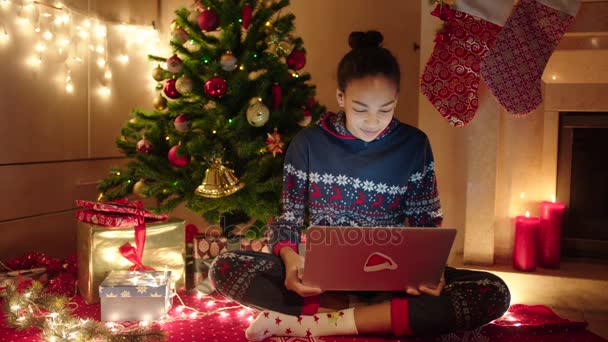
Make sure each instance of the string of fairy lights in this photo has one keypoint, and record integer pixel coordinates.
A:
(33, 307)
(56, 35)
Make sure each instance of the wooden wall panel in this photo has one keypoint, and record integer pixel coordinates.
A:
(136, 12)
(35, 189)
(325, 26)
(131, 87)
(54, 146)
(53, 234)
(39, 120)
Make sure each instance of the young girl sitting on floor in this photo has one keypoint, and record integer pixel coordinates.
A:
(358, 167)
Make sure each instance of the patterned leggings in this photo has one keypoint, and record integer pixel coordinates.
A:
(469, 299)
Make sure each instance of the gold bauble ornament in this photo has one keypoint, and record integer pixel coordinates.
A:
(257, 113)
(183, 85)
(158, 74)
(160, 103)
(219, 181)
(228, 61)
(284, 47)
(139, 188)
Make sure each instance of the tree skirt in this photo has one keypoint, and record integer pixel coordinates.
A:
(222, 320)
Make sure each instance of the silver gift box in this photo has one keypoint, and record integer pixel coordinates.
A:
(135, 295)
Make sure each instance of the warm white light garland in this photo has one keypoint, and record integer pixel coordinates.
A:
(57, 34)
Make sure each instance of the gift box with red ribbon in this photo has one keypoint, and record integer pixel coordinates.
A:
(124, 236)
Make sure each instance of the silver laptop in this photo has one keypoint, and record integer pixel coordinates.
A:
(375, 258)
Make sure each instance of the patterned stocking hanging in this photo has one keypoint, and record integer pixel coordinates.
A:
(514, 66)
(451, 77)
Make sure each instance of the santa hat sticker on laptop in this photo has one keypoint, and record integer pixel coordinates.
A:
(378, 262)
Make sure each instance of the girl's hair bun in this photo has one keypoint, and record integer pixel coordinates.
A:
(369, 39)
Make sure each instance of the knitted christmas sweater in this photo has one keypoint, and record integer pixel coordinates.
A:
(336, 179)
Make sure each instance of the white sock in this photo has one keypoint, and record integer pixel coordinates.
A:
(270, 323)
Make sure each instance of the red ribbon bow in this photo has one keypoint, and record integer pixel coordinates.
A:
(135, 254)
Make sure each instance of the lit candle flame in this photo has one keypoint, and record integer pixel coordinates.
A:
(527, 213)
(553, 198)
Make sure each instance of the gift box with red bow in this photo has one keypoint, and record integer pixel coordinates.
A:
(124, 236)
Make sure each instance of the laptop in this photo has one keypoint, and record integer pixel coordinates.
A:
(375, 258)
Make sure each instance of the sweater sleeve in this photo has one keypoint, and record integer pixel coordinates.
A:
(423, 208)
(286, 228)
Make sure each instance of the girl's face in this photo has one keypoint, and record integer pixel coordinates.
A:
(369, 104)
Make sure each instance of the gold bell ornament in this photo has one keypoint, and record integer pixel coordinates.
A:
(219, 181)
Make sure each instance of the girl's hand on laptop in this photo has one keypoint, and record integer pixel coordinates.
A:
(431, 291)
(293, 275)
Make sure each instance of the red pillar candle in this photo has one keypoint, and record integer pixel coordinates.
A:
(524, 249)
(550, 233)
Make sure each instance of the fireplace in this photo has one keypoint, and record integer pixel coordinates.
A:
(582, 183)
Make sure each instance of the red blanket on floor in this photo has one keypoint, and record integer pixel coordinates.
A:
(521, 323)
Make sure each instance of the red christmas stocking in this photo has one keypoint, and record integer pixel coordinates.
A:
(451, 76)
(514, 66)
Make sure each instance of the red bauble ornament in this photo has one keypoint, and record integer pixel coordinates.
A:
(276, 95)
(311, 102)
(181, 123)
(246, 17)
(174, 64)
(208, 20)
(180, 36)
(178, 160)
(144, 146)
(216, 86)
(170, 90)
(306, 118)
(296, 60)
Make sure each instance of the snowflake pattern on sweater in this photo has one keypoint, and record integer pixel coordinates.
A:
(338, 179)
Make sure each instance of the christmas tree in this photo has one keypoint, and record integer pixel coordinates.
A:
(229, 101)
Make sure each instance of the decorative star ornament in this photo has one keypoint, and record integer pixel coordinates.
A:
(275, 143)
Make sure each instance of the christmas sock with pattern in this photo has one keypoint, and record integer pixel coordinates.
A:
(451, 76)
(515, 63)
(270, 323)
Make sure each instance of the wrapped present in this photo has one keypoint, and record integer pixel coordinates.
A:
(135, 295)
(21, 276)
(255, 245)
(103, 248)
(206, 248)
(115, 214)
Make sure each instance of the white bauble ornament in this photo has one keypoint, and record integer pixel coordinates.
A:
(184, 85)
(257, 113)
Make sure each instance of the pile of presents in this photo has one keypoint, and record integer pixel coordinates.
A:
(128, 255)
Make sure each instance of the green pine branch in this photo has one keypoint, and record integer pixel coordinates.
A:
(219, 126)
